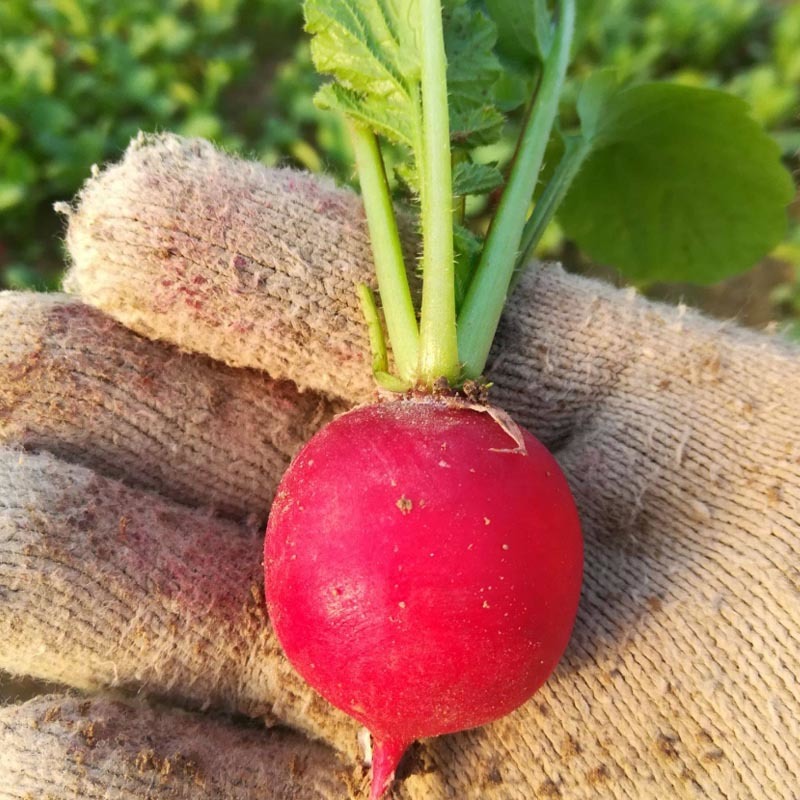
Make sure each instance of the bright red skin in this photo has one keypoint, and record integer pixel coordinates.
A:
(420, 574)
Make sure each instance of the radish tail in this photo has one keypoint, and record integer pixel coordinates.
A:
(386, 755)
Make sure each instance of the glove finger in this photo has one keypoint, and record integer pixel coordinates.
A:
(79, 385)
(666, 708)
(254, 267)
(62, 746)
(257, 268)
(102, 585)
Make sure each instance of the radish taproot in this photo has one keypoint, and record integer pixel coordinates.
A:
(423, 557)
(423, 569)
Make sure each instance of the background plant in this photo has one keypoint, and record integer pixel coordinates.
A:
(78, 78)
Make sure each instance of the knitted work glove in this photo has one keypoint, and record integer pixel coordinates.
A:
(136, 477)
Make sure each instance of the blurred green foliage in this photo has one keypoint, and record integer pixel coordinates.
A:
(748, 47)
(79, 78)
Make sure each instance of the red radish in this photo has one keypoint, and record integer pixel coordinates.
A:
(423, 569)
(424, 556)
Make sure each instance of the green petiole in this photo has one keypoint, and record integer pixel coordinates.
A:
(380, 356)
(413, 69)
(438, 341)
(577, 150)
(398, 307)
(483, 305)
(377, 344)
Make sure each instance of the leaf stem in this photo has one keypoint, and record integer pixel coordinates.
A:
(398, 307)
(438, 355)
(542, 26)
(377, 344)
(480, 313)
(577, 149)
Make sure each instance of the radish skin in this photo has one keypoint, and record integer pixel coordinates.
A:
(423, 571)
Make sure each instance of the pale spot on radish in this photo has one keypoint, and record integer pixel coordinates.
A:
(487, 521)
(444, 464)
(404, 504)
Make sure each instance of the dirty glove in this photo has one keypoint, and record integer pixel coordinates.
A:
(136, 476)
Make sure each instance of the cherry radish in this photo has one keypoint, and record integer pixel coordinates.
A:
(423, 569)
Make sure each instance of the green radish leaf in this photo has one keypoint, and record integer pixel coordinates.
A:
(469, 40)
(371, 48)
(594, 96)
(467, 246)
(408, 175)
(472, 72)
(468, 178)
(471, 178)
(471, 127)
(382, 119)
(681, 184)
(524, 31)
(373, 53)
